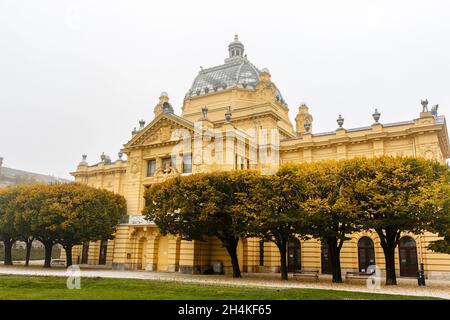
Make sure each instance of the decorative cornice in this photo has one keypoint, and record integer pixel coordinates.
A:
(97, 171)
(289, 145)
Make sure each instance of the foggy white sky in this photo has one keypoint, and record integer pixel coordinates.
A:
(76, 76)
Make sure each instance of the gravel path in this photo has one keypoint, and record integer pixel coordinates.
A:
(434, 288)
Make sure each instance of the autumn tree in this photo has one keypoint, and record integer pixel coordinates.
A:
(442, 245)
(22, 220)
(396, 195)
(172, 206)
(67, 214)
(202, 205)
(8, 232)
(442, 225)
(329, 211)
(87, 214)
(40, 203)
(275, 205)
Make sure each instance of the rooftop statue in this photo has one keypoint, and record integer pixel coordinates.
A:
(434, 110)
(424, 105)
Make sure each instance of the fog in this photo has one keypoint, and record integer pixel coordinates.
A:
(76, 76)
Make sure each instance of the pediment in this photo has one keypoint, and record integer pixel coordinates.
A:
(164, 128)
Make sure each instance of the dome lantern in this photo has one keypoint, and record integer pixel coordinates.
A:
(235, 48)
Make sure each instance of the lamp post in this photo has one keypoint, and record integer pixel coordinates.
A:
(421, 276)
(421, 272)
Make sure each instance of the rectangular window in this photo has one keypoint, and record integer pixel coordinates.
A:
(151, 167)
(187, 163)
(261, 253)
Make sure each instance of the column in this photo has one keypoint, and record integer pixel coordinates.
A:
(152, 252)
(174, 253)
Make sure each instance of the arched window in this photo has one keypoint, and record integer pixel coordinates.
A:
(408, 257)
(103, 252)
(366, 253)
(294, 258)
(325, 259)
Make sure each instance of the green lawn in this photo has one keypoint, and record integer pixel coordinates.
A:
(25, 287)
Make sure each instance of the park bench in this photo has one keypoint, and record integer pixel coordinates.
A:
(58, 262)
(306, 273)
(358, 275)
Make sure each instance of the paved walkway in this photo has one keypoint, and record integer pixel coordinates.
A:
(434, 288)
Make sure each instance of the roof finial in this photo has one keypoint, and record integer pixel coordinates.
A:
(228, 115)
(82, 163)
(236, 37)
(376, 115)
(340, 121)
(141, 124)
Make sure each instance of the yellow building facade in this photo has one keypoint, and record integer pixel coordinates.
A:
(234, 117)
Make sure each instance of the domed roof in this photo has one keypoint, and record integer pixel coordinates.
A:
(237, 71)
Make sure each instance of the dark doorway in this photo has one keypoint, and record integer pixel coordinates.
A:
(366, 253)
(294, 257)
(85, 253)
(326, 263)
(408, 257)
(261, 253)
(103, 251)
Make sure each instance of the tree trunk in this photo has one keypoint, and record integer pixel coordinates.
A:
(231, 246)
(282, 247)
(48, 254)
(389, 258)
(335, 259)
(388, 243)
(29, 243)
(68, 249)
(8, 243)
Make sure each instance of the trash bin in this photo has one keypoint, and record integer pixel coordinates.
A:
(421, 276)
